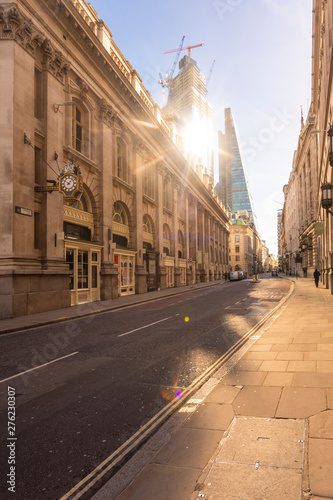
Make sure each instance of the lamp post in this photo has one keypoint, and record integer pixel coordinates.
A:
(326, 197)
(330, 138)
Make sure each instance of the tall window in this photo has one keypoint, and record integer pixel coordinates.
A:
(237, 238)
(77, 129)
(166, 239)
(38, 91)
(180, 245)
(167, 194)
(121, 167)
(148, 181)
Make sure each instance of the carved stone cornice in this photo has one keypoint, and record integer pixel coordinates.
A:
(106, 113)
(15, 26)
(83, 88)
(164, 172)
(54, 61)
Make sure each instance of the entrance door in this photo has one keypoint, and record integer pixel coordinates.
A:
(84, 265)
(125, 262)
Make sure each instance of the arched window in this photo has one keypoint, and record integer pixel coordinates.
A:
(147, 224)
(119, 214)
(81, 203)
(121, 168)
(78, 128)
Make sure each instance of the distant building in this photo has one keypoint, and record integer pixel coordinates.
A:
(245, 247)
(188, 104)
(233, 186)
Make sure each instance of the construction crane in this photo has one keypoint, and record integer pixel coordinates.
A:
(168, 77)
(210, 74)
(189, 48)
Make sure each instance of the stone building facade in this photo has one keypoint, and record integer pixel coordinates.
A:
(96, 199)
(307, 227)
(246, 248)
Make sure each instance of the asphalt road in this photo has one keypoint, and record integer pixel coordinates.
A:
(106, 376)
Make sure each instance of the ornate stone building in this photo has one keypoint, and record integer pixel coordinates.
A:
(246, 248)
(307, 227)
(96, 199)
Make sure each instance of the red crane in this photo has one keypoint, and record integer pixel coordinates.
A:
(189, 48)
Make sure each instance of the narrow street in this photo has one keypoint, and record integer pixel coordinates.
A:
(104, 377)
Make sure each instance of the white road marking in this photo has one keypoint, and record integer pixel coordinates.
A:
(146, 326)
(40, 366)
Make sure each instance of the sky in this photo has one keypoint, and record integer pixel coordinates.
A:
(262, 71)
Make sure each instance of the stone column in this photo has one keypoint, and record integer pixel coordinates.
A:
(176, 187)
(107, 155)
(140, 271)
(161, 271)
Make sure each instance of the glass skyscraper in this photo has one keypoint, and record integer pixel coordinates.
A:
(233, 187)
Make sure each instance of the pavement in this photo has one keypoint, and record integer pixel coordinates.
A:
(261, 428)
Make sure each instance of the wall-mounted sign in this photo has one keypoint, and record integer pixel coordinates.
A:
(23, 211)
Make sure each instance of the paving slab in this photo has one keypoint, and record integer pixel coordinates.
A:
(279, 347)
(266, 355)
(162, 482)
(243, 378)
(273, 366)
(257, 401)
(301, 366)
(318, 356)
(321, 425)
(269, 442)
(313, 380)
(278, 379)
(297, 402)
(325, 366)
(211, 416)
(302, 347)
(248, 365)
(289, 356)
(222, 394)
(189, 448)
(330, 398)
(321, 467)
(243, 482)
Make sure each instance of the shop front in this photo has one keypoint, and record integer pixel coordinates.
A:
(124, 261)
(84, 261)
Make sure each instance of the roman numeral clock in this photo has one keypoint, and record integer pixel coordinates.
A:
(69, 182)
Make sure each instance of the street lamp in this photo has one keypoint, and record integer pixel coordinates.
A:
(326, 197)
(330, 151)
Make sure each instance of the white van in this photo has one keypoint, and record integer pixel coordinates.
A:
(234, 276)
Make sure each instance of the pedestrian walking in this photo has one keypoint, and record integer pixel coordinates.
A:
(316, 275)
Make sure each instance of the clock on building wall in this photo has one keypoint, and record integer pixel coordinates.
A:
(69, 182)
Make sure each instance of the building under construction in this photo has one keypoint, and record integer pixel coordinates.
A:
(187, 103)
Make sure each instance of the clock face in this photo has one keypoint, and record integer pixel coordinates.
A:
(68, 183)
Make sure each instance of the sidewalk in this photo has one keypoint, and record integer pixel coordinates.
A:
(262, 429)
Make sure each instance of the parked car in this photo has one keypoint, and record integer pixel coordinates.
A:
(275, 273)
(234, 276)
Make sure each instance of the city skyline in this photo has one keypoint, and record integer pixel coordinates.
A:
(262, 72)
